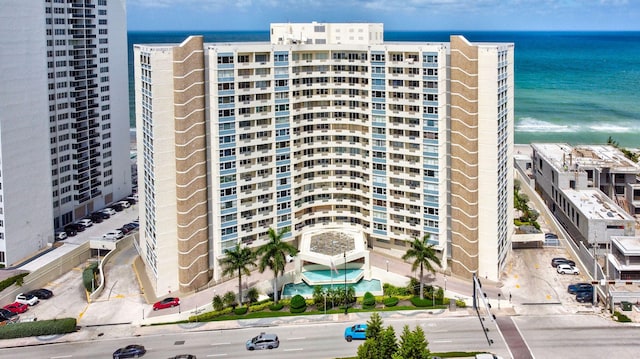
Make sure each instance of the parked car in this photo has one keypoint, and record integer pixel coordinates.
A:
(124, 204)
(41, 293)
(550, 236)
(113, 235)
(567, 269)
(134, 225)
(263, 341)
(124, 230)
(6, 314)
(60, 236)
(562, 260)
(16, 307)
(102, 214)
(131, 200)
(96, 218)
(110, 211)
(166, 303)
(130, 227)
(86, 222)
(584, 297)
(26, 298)
(70, 230)
(130, 351)
(184, 356)
(117, 207)
(579, 287)
(358, 331)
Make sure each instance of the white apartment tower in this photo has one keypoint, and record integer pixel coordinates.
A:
(325, 126)
(64, 124)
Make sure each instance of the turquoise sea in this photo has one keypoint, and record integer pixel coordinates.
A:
(574, 87)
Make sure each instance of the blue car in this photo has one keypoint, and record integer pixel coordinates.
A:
(358, 331)
(130, 351)
(579, 287)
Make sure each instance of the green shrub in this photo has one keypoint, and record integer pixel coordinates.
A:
(276, 307)
(11, 280)
(368, 301)
(241, 310)
(260, 306)
(88, 277)
(218, 303)
(391, 301)
(252, 295)
(38, 328)
(298, 304)
(620, 317)
(209, 315)
(421, 303)
(460, 303)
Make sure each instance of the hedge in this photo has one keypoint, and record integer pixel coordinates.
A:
(209, 315)
(276, 307)
(88, 276)
(427, 302)
(241, 310)
(298, 304)
(38, 328)
(390, 302)
(11, 280)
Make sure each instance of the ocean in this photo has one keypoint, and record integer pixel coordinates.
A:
(572, 87)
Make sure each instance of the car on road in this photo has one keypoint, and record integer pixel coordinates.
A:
(567, 269)
(113, 235)
(130, 351)
(86, 222)
(358, 331)
(584, 297)
(16, 307)
(110, 211)
(61, 236)
(26, 298)
(41, 293)
(561, 260)
(166, 303)
(579, 287)
(263, 341)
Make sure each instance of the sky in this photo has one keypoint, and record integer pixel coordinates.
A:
(396, 15)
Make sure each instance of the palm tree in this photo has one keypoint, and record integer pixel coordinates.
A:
(274, 255)
(238, 259)
(423, 254)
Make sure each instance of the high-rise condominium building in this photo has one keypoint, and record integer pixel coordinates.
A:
(325, 126)
(64, 123)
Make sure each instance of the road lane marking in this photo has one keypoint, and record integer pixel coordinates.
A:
(293, 350)
(214, 344)
(440, 341)
(217, 355)
(298, 338)
(61, 356)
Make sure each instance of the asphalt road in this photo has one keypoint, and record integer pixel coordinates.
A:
(323, 340)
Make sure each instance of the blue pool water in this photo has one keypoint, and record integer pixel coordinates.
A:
(327, 275)
(306, 290)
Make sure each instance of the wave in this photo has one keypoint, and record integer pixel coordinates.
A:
(530, 124)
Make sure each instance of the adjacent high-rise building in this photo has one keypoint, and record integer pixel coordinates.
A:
(325, 126)
(64, 123)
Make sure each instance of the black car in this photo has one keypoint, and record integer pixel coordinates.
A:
(71, 230)
(129, 227)
(184, 356)
(96, 217)
(561, 260)
(117, 207)
(41, 293)
(6, 314)
(130, 351)
(584, 297)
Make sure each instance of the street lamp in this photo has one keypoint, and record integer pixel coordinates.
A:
(387, 266)
(346, 306)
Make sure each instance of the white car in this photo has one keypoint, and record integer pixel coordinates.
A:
(567, 269)
(111, 211)
(86, 222)
(28, 299)
(61, 235)
(124, 204)
(113, 235)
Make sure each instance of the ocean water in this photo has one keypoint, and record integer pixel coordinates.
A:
(573, 87)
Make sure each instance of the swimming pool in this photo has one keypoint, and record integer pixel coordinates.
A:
(374, 286)
(326, 276)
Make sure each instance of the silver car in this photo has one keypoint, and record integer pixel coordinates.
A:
(263, 341)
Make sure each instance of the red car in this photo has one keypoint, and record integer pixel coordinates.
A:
(166, 303)
(16, 307)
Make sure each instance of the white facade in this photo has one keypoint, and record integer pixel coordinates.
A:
(64, 116)
(310, 131)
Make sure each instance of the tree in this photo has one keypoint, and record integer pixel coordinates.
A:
(274, 256)
(238, 259)
(380, 346)
(319, 297)
(253, 295)
(413, 345)
(229, 299)
(423, 254)
(374, 325)
(218, 303)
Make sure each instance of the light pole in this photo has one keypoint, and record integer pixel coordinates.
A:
(346, 306)
(387, 266)
(445, 283)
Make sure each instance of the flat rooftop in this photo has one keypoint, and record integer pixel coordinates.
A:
(595, 205)
(562, 155)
